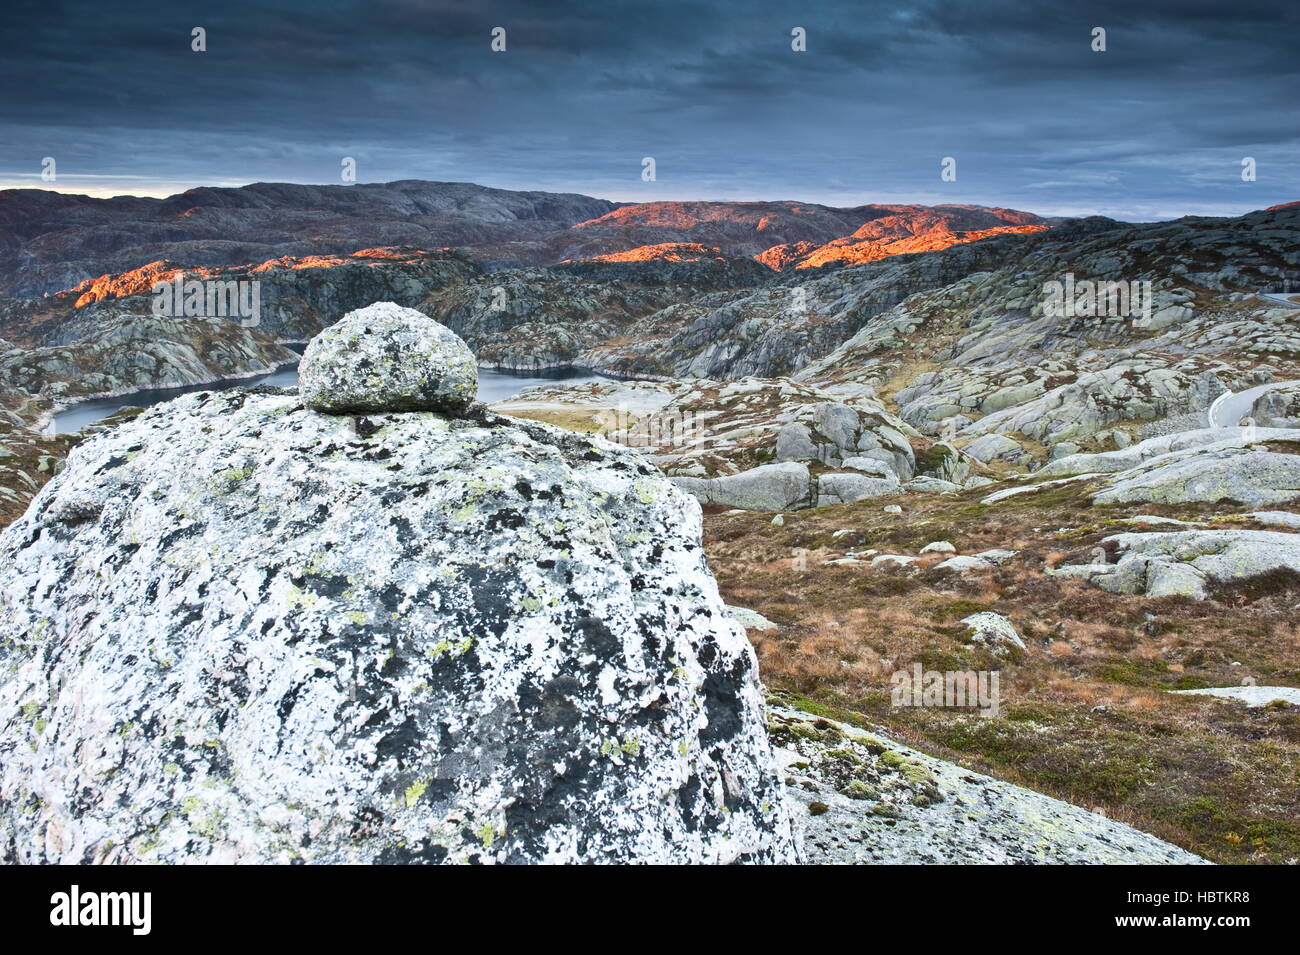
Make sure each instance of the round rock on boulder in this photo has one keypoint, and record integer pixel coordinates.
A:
(234, 630)
(387, 358)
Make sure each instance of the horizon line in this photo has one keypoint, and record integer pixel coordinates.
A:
(8, 184)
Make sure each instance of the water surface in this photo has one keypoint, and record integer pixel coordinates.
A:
(492, 386)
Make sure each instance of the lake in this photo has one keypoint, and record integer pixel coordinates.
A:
(492, 386)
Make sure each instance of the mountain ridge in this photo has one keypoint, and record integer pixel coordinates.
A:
(56, 241)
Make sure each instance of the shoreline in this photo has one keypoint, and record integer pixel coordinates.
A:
(45, 424)
(46, 421)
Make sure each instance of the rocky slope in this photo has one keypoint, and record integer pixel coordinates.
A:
(903, 232)
(134, 352)
(859, 798)
(982, 356)
(297, 296)
(524, 319)
(788, 234)
(800, 317)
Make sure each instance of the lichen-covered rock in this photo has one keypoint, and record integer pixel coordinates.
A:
(771, 487)
(237, 630)
(845, 488)
(1187, 563)
(387, 358)
(993, 630)
(861, 798)
(1253, 476)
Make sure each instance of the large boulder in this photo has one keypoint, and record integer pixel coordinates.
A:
(234, 629)
(1252, 476)
(831, 433)
(387, 358)
(844, 488)
(769, 487)
(1187, 563)
(1278, 407)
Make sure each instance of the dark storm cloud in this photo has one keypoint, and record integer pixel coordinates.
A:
(1155, 126)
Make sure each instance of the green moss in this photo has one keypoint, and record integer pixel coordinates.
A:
(946, 611)
(1137, 673)
(857, 789)
(892, 759)
(917, 773)
(844, 755)
(818, 808)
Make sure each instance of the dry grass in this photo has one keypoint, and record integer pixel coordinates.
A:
(1086, 715)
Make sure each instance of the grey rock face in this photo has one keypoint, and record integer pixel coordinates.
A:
(1278, 407)
(1252, 476)
(131, 352)
(237, 630)
(833, 433)
(1206, 439)
(931, 485)
(846, 488)
(1187, 563)
(868, 465)
(387, 358)
(991, 447)
(771, 487)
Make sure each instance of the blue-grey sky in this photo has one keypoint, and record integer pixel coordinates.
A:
(1156, 126)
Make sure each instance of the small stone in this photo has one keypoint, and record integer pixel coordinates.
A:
(993, 630)
(387, 358)
(750, 619)
(892, 509)
(939, 547)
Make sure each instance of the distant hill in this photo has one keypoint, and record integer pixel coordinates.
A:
(53, 242)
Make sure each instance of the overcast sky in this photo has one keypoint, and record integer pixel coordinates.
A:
(1155, 127)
